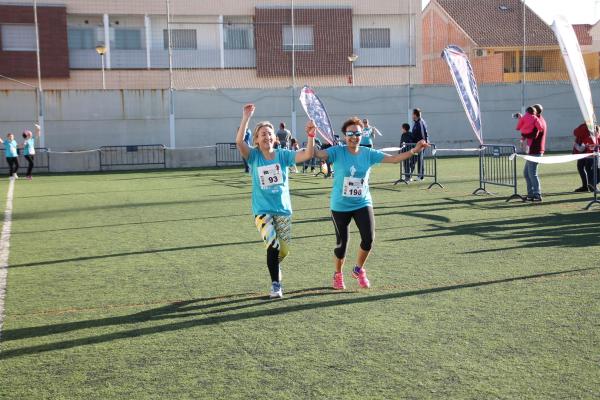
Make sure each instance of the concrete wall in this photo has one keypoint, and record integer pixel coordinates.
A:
(84, 120)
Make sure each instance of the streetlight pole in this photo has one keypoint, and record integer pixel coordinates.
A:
(39, 90)
(101, 50)
(352, 58)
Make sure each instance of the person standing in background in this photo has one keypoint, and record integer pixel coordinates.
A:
(419, 132)
(368, 134)
(10, 151)
(284, 136)
(536, 149)
(406, 138)
(29, 148)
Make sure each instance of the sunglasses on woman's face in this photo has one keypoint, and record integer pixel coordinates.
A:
(353, 133)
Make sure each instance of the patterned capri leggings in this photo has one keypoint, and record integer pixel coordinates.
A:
(276, 233)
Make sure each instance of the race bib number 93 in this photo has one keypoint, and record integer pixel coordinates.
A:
(270, 175)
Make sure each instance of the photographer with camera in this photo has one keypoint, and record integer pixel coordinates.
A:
(533, 133)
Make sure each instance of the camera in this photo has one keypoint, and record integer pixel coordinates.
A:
(516, 115)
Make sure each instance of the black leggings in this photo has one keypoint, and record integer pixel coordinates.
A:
(365, 221)
(13, 165)
(29, 159)
(581, 168)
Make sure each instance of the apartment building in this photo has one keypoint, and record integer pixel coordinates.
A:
(491, 33)
(231, 43)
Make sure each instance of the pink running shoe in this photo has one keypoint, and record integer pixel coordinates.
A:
(361, 275)
(338, 281)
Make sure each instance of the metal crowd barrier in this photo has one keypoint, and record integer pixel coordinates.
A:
(497, 167)
(146, 154)
(421, 166)
(41, 161)
(227, 154)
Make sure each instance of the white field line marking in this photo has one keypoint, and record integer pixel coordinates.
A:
(4, 248)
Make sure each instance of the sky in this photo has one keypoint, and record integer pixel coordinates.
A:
(576, 11)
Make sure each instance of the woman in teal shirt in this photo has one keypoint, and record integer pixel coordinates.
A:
(271, 204)
(10, 151)
(351, 198)
(29, 148)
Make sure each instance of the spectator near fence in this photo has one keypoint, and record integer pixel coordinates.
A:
(537, 148)
(406, 138)
(284, 136)
(419, 132)
(585, 143)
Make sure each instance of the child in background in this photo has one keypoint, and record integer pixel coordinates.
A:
(407, 165)
(526, 125)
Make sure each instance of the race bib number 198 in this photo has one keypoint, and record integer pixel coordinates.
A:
(353, 187)
(270, 175)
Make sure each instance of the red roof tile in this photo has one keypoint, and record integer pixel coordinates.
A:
(498, 23)
(583, 34)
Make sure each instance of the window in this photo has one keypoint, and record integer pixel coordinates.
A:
(181, 39)
(128, 39)
(81, 38)
(304, 38)
(237, 38)
(534, 63)
(18, 37)
(375, 38)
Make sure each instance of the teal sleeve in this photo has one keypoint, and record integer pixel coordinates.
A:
(290, 158)
(375, 156)
(331, 152)
(252, 155)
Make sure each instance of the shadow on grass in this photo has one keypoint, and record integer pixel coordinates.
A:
(555, 230)
(166, 312)
(191, 309)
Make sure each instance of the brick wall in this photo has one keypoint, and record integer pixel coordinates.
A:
(54, 52)
(332, 33)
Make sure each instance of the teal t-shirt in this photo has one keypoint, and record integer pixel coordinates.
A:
(351, 178)
(10, 148)
(367, 136)
(270, 186)
(29, 147)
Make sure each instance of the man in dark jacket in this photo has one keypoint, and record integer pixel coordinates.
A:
(419, 132)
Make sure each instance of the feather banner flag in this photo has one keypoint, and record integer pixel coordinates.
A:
(314, 108)
(466, 86)
(571, 53)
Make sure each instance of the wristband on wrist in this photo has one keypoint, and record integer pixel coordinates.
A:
(413, 152)
(311, 135)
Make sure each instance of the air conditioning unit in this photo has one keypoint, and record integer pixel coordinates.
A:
(481, 52)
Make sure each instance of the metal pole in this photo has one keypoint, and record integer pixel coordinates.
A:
(408, 91)
(352, 69)
(103, 77)
(293, 92)
(523, 61)
(171, 94)
(40, 91)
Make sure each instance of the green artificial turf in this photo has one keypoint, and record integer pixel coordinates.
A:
(145, 285)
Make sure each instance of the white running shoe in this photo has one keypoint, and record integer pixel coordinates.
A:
(276, 291)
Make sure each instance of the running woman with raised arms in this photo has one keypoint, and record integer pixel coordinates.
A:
(350, 196)
(271, 204)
